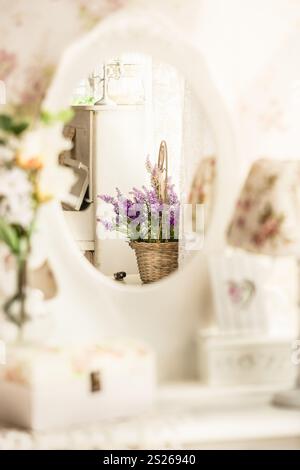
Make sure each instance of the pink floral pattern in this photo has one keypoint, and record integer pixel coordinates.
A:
(267, 213)
(33, 38)
(38, 79)
(8, 63)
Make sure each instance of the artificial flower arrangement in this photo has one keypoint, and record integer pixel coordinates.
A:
(149, 220)
(29, 177)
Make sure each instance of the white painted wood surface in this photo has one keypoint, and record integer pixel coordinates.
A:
(186, 416)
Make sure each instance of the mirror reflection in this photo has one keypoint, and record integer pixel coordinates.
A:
(144, 156)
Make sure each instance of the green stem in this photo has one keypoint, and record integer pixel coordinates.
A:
(19, 297)
(22, 283)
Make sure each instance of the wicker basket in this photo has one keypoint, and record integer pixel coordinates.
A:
(159, 259)
(155, 260)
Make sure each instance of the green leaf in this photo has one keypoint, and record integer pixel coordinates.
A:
(9, 236)
(23, 248)
(31, 229)
(64, 116)
(8, 124)
(5, 122)
(47, 117)
(17, 129)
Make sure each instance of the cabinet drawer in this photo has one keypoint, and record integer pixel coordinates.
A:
(82, 224)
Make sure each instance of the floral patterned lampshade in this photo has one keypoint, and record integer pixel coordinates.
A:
(267, 215)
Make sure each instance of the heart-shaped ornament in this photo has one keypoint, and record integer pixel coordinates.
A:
(241, 293)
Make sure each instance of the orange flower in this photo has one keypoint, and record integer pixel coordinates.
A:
(34, 162)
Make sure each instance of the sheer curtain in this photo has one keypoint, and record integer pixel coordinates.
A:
(167, 106)
(178, 118)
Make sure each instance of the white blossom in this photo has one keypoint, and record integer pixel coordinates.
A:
(17, 210)
(15, 197)
(44, 143)
(55, 181)
(6, 154)
(14, 182)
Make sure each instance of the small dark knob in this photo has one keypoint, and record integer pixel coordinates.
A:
(120, 276)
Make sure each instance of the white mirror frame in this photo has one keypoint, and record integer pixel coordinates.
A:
(93, 304)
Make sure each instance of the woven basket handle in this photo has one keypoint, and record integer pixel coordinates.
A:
(162, 165)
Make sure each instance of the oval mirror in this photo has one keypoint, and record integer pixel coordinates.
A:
(144, 158)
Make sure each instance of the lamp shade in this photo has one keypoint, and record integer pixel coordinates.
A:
(266, 219)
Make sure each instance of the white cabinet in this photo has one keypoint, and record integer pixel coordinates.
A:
(113, 141)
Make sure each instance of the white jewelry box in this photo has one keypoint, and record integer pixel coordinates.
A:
(49, 388)
(226, 359)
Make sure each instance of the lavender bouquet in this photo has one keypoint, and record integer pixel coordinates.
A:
(145, 216)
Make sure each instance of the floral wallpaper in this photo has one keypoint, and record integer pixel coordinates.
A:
(27, 60)
(269, 109)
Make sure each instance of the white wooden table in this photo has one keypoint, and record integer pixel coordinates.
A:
(186, 416)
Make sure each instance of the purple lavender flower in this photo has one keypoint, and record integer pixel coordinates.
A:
(174, 215)
(106, 198)
(171, 194)
(143, 216)
(151, 196)
(110, 200)
(119, 193)
(138, 196)
(108, 225)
